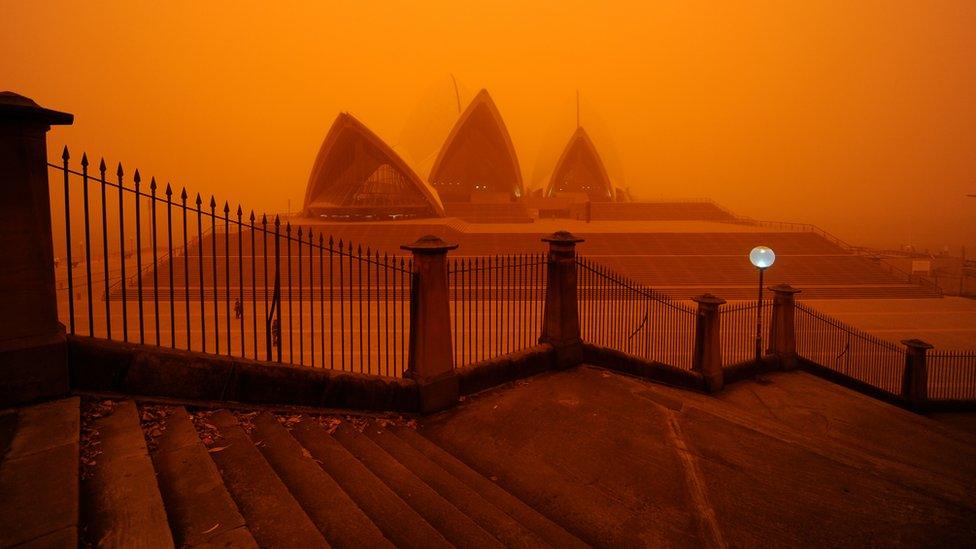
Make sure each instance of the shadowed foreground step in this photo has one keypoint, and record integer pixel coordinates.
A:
(39, 476)
(514, 507)
(201, 512)
(273, 516)
(490, 518)
(122, 504)
(457, 527)
(339, 519)
(397, 520)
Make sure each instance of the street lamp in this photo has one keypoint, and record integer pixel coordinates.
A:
(761, 258)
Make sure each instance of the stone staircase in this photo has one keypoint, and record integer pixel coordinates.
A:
(157, 476)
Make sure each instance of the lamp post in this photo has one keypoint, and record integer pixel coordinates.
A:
(761, 258)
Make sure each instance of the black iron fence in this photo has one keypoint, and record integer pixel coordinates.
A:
(621, 314)
(159, 267)
(951, 375)
(148, 264)
(848, 351)
(496, 305)
(744, 333)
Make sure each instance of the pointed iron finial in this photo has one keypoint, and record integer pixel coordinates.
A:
(169, 190)
(277, 222)
(321, 239)
(119, 172)
(226, 208)
(136, 177)
(152, 184)
(84, 160)
(101, 166)
(288, 227)
(299, 232)
(264, 219)
(183, 194)
(199, 201)
(213, 202)
(239, 210)
(252, 217)
(64, 154)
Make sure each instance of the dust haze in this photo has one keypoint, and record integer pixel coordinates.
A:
(858, 117)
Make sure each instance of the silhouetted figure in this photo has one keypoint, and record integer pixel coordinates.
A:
(238, 308)
(275, 332)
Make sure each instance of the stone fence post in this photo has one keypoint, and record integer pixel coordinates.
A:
(431, 359)
(33, 346)
(560, 322)
(915, 383)
(782, 329)
(707, 357)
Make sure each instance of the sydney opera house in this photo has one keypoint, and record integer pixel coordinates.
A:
(466, 184)
(357, 176)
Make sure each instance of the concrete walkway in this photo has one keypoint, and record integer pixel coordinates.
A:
(787, 460)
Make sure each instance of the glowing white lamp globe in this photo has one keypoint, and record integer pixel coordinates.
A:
(762, 257)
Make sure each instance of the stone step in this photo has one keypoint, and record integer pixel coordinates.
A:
(500, 498)
(39, 493)
(201, 512)
(335, 514)
(456, 527)
(397, 520)
(273, 516)
(503, 527)
(121, 503)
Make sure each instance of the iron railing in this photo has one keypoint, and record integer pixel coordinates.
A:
(211, 279)
(737, 332)
(848, 351)
(621, 314)
(951, 375)
(496, 305)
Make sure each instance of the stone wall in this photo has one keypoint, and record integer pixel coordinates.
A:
(100, 365)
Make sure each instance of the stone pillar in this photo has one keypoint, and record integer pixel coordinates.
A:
(782, 330)
(560, 321)
(915, 383)
(431, 360)
(707, 357)
(33, 349)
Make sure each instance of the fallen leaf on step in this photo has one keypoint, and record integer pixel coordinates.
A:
(211, 529)
(218, 448)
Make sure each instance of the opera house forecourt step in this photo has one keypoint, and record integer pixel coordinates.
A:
(121, 502)
(201, 511)
(39, 503)
(335, 514)
(273, 516)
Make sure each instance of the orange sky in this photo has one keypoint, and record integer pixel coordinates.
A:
(859, 116)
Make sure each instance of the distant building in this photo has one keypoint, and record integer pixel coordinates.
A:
(580, 171)
(477, 161)
(357, 176)
(476, 174)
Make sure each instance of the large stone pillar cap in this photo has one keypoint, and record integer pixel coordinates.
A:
(916, 344)
(562, 237)
(17, 108)
(708, 299)
(783, 289)
(429, 244)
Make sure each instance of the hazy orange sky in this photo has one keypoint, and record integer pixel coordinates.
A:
(859, 116)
